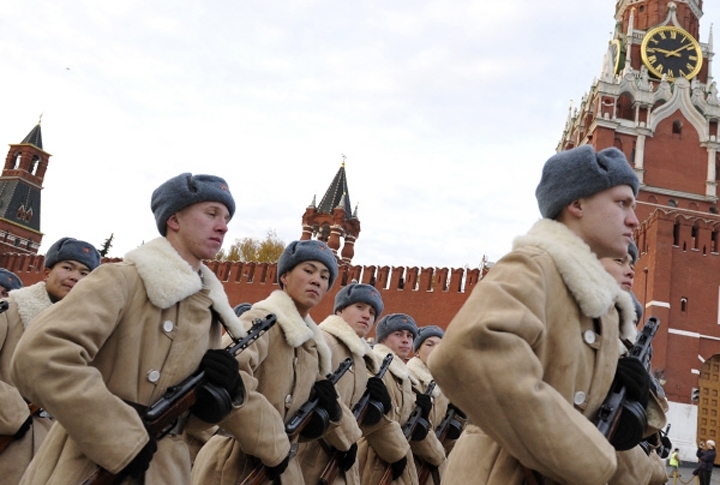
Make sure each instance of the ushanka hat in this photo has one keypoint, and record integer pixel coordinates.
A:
(633, 252)
(242, 308)
(393, 323)
(69, 249)
(359, 292)
(9, 280)
(307, 250)
(185, 190)
(581, 172)
(425, 333)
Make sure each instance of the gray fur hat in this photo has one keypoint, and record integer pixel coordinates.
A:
(242, 308)
(394, 322)
(581, 172)
(633, 252)
(307, 250)
(69, 249)
(187, 189)
(425, 333)
(638, 307)
(9, 280)
(359, 292)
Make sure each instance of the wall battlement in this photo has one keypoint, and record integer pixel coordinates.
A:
(431, 296)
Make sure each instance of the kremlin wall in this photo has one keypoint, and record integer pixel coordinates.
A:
(431, 296)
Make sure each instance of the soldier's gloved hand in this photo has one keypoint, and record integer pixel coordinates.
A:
(23, 428)
(425, 403)
(378, 392)
(632, 374)
(139, 465)
(398, 467)
(222, 369)
(348, 457)
(380, 402)
(328, 398)
(274, 472)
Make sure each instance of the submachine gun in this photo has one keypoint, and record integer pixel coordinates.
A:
(623, 421)
(310, 415)
(359, 410)
(162, 416)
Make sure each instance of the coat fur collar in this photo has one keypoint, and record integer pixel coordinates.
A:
(593, 288)
(337, 327)
(31, 300)
(169, 279)
(420, 371)
(296, 329)
(397, 366)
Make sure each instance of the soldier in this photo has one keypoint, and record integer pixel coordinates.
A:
(8, 281)
(538, 337)
(66, 262)
(395, 334)
(282, 370)
(428, 340)
(357, 307)
(623, 270)
(126, 333)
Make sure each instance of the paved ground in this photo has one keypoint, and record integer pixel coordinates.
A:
(686, 475)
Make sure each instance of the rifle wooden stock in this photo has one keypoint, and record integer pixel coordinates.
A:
(6, 439)
(257, 477)
(408, 429)
(608, 414)
(298, 422)
(162, 415)
(359, 410)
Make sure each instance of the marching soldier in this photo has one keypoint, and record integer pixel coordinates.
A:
(24, 425)
(395, 334)
(283, 369)
(126, 333)
(538, 336)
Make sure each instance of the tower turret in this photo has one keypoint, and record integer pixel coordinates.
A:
(333, 220)
(20, 185)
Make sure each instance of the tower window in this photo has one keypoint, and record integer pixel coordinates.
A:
(677, 127)
(694, 236)
(672, 203)
(683, 304)
(676, 234)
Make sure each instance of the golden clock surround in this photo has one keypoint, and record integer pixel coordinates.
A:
(671, 50)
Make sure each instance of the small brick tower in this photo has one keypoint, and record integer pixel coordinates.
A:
(20, 185)
(333, 219)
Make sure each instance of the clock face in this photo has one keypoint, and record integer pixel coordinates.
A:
(671, 51)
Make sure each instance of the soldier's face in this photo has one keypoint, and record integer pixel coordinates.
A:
(62, 277)
(400, 342)
(428, 345)
(306, 284)
(360, 316)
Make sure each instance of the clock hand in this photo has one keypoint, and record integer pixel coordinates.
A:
(676, 52)
(664, 51)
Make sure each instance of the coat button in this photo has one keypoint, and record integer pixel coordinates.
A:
(589, 337)
(153, 376)
(288, 399)
(168, 326)
(579, 398)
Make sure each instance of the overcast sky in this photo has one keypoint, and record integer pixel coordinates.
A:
(446, 111)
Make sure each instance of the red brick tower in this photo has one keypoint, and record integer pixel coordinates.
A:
(333, 220)
(20, 185)
(656, 100)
